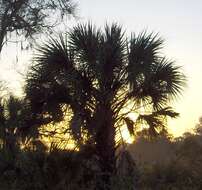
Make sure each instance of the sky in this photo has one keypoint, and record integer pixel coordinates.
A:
(177, 21)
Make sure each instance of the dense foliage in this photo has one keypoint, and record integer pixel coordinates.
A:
(52, 168)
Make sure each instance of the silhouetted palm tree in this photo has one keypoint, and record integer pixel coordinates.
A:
(13, 118)
(97, 73)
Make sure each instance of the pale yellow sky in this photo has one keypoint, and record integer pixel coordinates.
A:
(177, 21)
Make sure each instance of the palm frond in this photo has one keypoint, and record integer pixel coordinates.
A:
(169, 76)
(152, 78)
(156, 120)
(113, 49)
(85, 41)
(144, 50)
(153, 122)
(168, 111)
(55, 54)
(165, 83)
(130, 125)
(112, 56)
(143, 53)
(47, 87)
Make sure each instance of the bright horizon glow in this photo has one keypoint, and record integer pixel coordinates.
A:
(178, 22)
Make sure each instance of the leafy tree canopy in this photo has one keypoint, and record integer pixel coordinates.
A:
(29, 17)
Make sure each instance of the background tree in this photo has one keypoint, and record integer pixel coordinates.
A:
(198, 127)
(98, 74)
(29, 17)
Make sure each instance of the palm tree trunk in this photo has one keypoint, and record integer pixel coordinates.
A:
(105, 144)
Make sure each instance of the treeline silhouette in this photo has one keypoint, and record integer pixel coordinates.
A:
(160, 163)
(87, 81)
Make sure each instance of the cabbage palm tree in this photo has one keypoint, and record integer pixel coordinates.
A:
(14, 119)
(97, 74)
